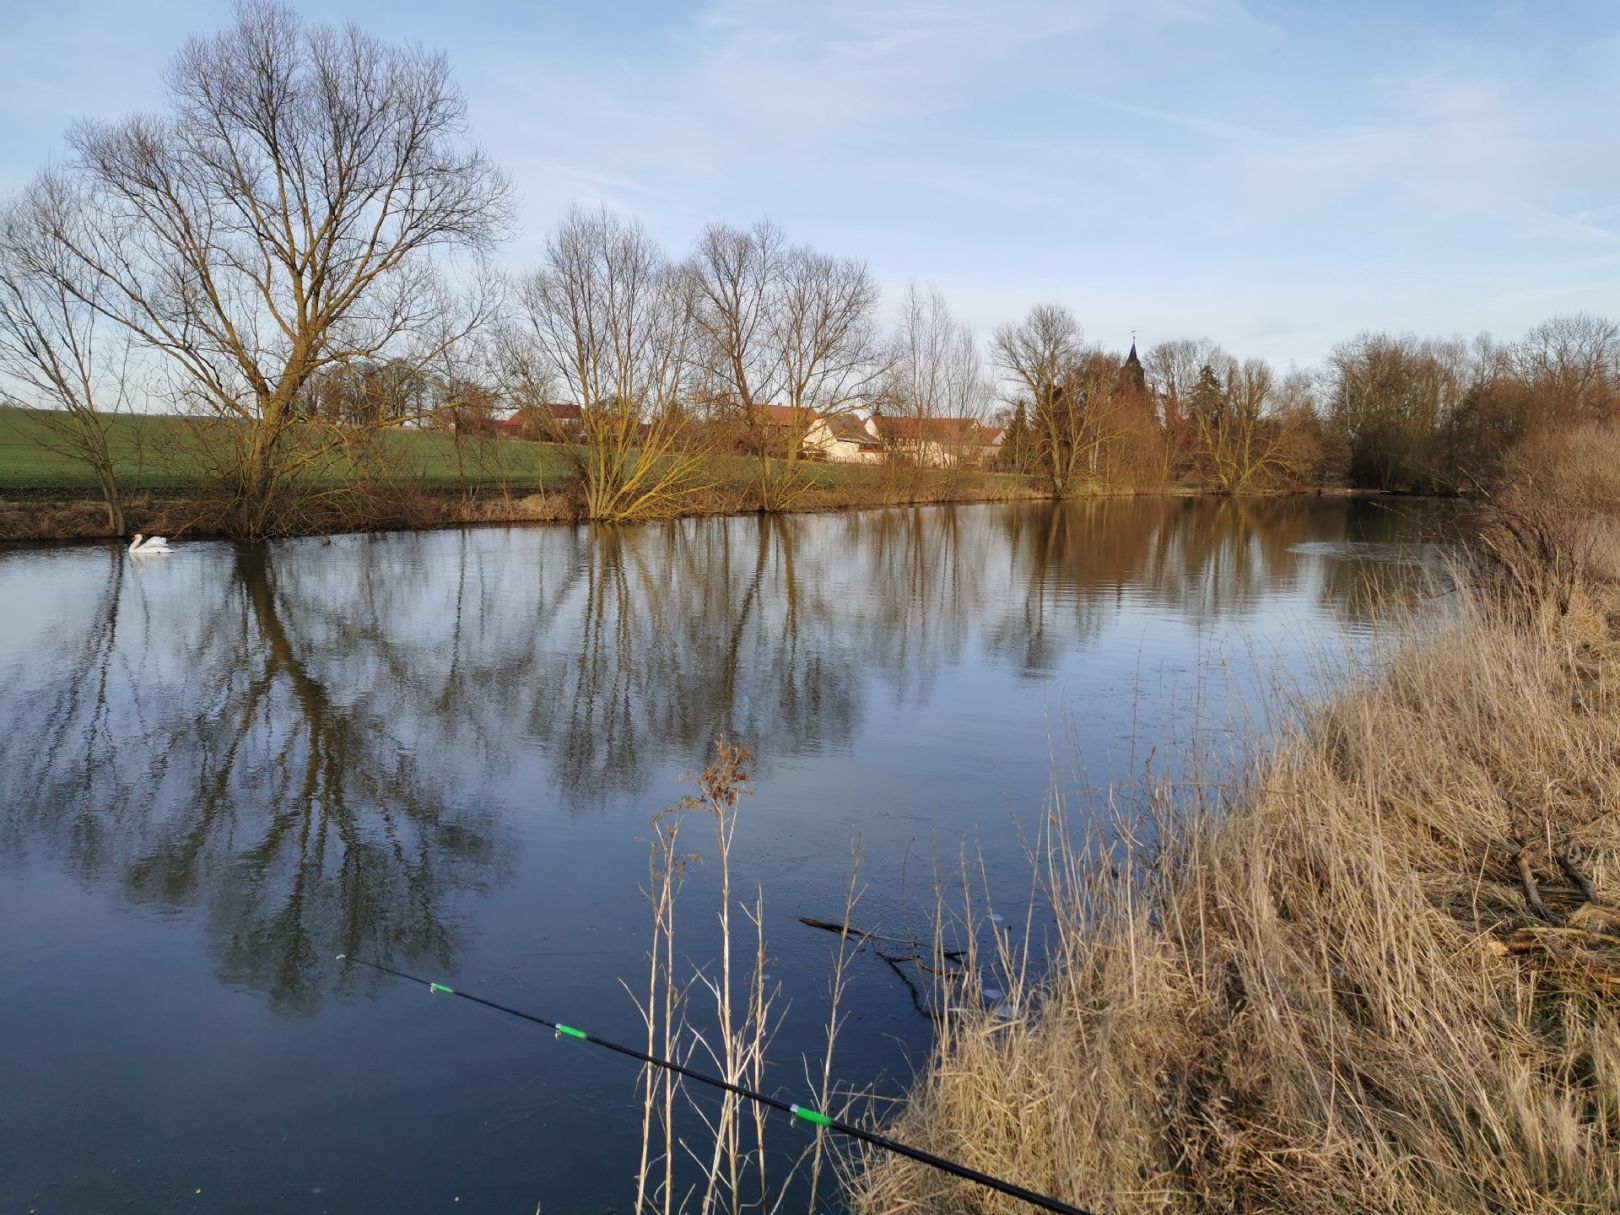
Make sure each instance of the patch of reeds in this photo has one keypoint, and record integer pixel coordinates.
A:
(1555, 518)
(704, 1152)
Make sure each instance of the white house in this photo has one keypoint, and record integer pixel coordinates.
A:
(937, 442)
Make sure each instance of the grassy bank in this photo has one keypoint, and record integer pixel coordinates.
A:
(1384, 978)
(404, 505)
(169, 471)
(412, 479)
(165, 454)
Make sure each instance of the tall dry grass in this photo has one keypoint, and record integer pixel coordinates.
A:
(1385, 978)
(1555, 516)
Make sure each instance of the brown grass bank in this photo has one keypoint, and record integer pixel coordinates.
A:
(76, 515)
(1385, 979)
(38, 517)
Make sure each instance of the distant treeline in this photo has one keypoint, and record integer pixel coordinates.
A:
(301, 243)
(1387, 411)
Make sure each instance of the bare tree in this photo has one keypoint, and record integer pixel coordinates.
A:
(1571, 364)
(1042, 354)
(935, 376)
(1243, 438)
(54, 358)
(824, 327)
(608, 318)
(284, 214)
(1392, 398)
(1241, 429)
(1321, 455)
(935, 370)
(787, 336)
(736, 276)
(1097, 429)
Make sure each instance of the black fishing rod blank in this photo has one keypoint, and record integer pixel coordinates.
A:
(800, 1112)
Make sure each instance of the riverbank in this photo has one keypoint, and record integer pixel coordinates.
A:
(41, 516)
(404, 480)
(418, 479)
(1384, 977)
(53, 515)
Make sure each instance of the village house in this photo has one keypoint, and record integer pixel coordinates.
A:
(937, 442)
(845, 439)
(842, 438)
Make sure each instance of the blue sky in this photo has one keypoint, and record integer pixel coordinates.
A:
(1277, 176)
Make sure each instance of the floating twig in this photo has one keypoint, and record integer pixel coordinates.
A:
(950, 955)
(895, 961)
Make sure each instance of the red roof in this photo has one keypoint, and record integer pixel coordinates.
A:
(555, 411)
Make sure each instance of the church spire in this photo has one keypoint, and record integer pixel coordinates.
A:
(1133, 366)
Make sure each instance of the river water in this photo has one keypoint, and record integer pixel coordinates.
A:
(221, 768)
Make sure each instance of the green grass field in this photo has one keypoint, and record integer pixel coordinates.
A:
(169, 456)
(165, 453)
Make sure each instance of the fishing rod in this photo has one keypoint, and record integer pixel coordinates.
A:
(803, 1113)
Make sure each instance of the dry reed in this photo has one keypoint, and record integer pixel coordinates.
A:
(700, 1153)
(1385, 978)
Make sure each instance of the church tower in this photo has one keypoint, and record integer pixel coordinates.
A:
(1132, 372)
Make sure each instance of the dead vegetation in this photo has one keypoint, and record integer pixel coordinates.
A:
(1384, 978)
(719, 1014)
(37, 516)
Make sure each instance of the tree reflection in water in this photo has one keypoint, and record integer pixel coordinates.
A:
(306, 741)
(238, 758)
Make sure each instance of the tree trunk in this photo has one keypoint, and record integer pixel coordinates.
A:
(100, 459)
(257, 489)
(115, 507)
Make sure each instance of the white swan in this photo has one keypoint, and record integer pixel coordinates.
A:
(151, 544)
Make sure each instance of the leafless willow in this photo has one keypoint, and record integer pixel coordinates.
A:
(935, 376)
(1245, 438)
(1172, 368)
(610, 320)
(1081, 404)
(1037, 354)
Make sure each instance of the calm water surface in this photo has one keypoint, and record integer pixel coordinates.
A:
(222, 768)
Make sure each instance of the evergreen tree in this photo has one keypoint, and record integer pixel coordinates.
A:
(1207, 401)
(1016, 445)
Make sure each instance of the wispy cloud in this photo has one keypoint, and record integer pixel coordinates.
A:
(1271, 173)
